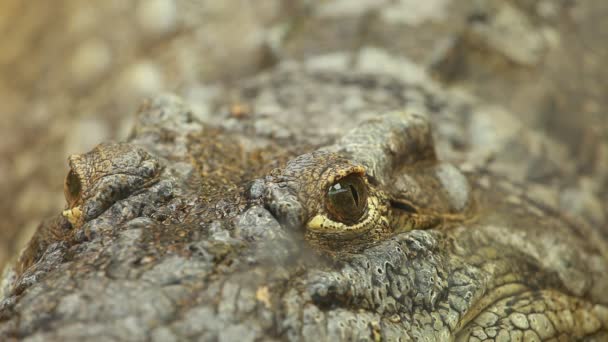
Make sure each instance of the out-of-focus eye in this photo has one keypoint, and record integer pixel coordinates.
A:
(347, 199)
(72, 187)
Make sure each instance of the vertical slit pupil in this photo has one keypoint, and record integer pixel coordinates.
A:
(355, 194)
(342, 207)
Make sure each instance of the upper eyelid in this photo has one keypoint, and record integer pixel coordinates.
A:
(335, 175)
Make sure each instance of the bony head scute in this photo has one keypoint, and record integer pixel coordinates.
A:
(346, 199)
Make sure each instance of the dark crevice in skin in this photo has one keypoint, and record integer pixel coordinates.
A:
(373, 180)
(402, 205)
(7, 311)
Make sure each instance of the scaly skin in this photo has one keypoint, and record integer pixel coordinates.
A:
(199, 243)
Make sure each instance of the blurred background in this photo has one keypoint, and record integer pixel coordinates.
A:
(73, 72)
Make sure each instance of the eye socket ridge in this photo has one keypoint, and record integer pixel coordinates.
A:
(346, 198)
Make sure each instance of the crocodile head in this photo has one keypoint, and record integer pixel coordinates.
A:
(237, 236)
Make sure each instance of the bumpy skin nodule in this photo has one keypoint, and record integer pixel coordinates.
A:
(194, 250)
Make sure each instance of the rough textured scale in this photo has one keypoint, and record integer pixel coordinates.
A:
(221, 231)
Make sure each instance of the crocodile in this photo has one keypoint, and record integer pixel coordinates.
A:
(237, 229)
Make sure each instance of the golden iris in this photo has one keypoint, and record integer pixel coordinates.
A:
(347, 199)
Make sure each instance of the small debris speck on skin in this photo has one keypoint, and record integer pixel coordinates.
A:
(263, 295)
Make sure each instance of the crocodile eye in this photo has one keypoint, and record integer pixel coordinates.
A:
(347, 199)
(72, 187)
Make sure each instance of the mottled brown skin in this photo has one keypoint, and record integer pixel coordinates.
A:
(242, 240)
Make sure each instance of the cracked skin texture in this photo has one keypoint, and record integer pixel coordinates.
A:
(194, 232)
